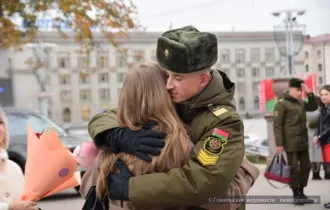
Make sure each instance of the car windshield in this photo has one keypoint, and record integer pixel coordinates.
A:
(17, 123)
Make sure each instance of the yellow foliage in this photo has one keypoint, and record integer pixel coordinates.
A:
(110, 14)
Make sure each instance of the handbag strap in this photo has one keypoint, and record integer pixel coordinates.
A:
(271, 163)
(271, 184)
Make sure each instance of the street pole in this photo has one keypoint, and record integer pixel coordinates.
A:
(288, 22)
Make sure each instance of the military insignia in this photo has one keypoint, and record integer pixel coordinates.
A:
(166, 53)
(217, 112)
(214, 146)
(281, 100)
(220, 134)
(211, 151)
(275, 113)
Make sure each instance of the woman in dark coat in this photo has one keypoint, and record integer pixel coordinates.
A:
(315, 154)
(322, 137)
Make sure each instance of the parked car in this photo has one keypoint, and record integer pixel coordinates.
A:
(256, 145)
(18, 120)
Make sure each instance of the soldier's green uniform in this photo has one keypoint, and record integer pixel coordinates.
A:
(217, 129)
(290, 132)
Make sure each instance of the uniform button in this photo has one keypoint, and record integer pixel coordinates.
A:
(7, 195)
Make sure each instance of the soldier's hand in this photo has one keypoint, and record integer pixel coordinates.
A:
(305, 88)
(280, 149)
(307, 125)
(140, 143)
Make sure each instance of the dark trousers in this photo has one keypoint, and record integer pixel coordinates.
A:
(300, 168)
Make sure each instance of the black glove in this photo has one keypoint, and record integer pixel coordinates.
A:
(118, 183)
(140, 143)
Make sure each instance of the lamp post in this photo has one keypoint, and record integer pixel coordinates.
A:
(289, 37)
(41, 52)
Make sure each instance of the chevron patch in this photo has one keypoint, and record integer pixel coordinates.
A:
(207, 159)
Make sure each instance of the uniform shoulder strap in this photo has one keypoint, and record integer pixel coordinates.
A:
(220, 111)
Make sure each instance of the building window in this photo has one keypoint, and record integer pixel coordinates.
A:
(240, 56)
(270, 54)
(306, 55)
(138, 56)
(83, 62)
(241, 104)
(240, 72)
(65, 79)
(319, 67)
(85, 112)
(63, 61)
(84, 78)
(255, 55)
(103, 78)
(241, 87)
(319, 54)
(104, 94)
(65, 95)
(120, 77)
(256, 103)
(66, 115)
(320, 80)
(85, 94)
(121, 59)
(102, 61)
(255, 72)
(255, 86)
(306, 68)
(270, 71)
(224, 56)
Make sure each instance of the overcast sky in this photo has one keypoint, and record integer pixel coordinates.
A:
(228, 15)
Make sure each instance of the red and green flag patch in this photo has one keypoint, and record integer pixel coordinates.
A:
(220, 134)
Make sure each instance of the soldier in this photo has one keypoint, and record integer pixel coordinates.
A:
(205, 102)
(291, 134)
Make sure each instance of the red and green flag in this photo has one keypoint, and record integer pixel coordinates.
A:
(220, 134)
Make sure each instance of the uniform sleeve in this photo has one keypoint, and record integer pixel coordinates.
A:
(311, 105)
(206, 175)
(4, 206)
(279, 116)
(102, 122)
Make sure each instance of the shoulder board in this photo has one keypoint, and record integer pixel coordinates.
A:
(281, 99)
(221, 112)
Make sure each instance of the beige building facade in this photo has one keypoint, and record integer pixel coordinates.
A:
(247, 58)
(317, 58)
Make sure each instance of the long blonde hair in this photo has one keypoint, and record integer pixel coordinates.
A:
(144, 99)
(4, 143)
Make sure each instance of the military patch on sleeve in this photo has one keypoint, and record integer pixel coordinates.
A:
(275, 113)
(211, 151)
(220, 134)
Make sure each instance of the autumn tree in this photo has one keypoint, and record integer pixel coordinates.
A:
(110, 17)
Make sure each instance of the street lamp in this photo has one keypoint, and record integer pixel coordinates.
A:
(289, 37)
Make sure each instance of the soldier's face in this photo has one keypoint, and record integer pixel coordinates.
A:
(325, 96)
(295, 93)
(184, 86)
